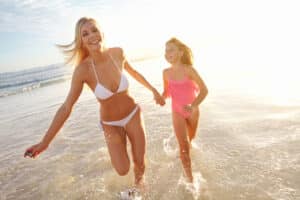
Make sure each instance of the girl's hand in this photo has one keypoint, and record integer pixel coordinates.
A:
(188, 108)
(158, 98)
(35, 150)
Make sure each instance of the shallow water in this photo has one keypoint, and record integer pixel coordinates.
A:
(246, 147)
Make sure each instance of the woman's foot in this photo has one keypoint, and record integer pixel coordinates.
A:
(140, 183)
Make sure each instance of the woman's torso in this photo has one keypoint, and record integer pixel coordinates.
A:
(107, 81)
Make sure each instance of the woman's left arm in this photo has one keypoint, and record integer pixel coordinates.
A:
(140, 78)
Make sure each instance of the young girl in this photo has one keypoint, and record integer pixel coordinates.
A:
(187, 90)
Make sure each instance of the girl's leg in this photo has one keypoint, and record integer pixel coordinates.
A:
(192, 124)
(180, 129)
(116, 142)
(136, 134)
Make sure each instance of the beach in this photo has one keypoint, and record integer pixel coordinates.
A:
(247, 145)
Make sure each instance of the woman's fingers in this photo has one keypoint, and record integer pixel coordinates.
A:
(159, 99)
(33, 151)
(29, 152)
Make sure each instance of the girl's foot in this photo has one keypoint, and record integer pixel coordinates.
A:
(189, 179)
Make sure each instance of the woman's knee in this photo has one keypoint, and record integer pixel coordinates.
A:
(122, 170)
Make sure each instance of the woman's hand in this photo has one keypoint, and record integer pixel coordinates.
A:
(158, 98)
(35, 150)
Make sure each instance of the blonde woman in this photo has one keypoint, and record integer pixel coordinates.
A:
(102, 69)
(182, 83)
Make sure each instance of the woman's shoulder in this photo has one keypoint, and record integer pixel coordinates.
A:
(83, 65)
(116, 51)
(82, 68)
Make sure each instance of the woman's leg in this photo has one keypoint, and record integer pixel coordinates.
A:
(180, 129)
(192, 124)
(136, 134)
(116, 142)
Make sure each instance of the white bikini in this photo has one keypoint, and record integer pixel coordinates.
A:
(103, 93)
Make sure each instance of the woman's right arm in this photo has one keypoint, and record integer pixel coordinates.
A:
(61, 115)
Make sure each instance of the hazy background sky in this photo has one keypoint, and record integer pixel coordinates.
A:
(233, 33)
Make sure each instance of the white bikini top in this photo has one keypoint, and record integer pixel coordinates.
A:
(103, 93)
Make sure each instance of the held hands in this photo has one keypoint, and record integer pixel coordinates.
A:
(35, 150)
(158, 98)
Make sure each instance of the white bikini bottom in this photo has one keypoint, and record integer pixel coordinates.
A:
(123, 121)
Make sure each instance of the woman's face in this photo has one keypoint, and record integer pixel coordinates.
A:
(91, 37)
(173, 53)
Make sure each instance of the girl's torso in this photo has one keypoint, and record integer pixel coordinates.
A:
(180, 86)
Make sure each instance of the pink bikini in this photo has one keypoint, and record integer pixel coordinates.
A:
(182, 92)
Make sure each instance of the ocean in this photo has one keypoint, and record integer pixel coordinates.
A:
(247, 145)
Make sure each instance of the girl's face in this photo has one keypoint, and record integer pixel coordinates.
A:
(173, 54)
(91, 37)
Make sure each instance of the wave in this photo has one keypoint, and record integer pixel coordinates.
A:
(26, 80)
(12, 83)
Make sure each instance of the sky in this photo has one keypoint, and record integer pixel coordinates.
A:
(264, 34)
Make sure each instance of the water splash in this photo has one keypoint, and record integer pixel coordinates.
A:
(170, 146)
(130, 194)
(197, 188)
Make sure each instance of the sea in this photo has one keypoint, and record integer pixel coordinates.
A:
(247, 145)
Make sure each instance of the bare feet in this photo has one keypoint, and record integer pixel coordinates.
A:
(140, 184)
(189, 179)
(188, 174)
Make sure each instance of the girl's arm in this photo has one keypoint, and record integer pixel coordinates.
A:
(165, 93)
(61, 115)
(202, 87)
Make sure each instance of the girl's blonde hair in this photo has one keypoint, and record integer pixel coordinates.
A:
(187, 57)
(75, 52)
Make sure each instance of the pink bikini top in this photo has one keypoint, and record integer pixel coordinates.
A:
(102, 92)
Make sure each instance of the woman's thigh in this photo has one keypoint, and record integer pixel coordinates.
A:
(136, 134)
(116, 142)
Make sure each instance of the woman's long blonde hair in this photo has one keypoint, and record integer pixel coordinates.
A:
(187, 57)
(75, 52)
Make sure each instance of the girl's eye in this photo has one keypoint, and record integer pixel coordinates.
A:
(84, 34)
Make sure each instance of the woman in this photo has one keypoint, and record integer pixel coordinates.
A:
(182, 83)
(101, 69)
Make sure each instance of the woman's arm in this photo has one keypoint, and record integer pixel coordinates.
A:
(61, 115)
(137, 76)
